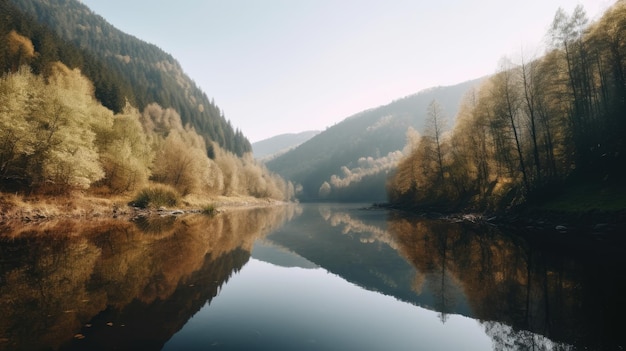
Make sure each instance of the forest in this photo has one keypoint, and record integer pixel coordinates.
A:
(120, 66)
(351, 160)
(538, 128)
(57, 137)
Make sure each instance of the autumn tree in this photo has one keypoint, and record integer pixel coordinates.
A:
(20, 49)
(433, 132)
(566, 33)
(180, 159)
(507, 102)
(530, 87)
(48, 136)
(126, 152)
(533, 124)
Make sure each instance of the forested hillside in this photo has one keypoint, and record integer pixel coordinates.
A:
(135, 70)
(58, 135)
(350, 161)
(45, 47)
(538, 127)
(279, 144)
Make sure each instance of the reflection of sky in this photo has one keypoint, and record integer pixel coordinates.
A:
(270, 307)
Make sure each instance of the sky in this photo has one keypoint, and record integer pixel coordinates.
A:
(286, 66)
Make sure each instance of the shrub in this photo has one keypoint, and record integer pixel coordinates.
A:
(209, 210)
(156, 196)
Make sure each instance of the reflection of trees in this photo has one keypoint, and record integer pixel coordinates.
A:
(368, 233)
(444, 301)
(508, 280)
(427, 245)
(58, 277)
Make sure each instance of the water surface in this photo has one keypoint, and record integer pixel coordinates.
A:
(304, 277)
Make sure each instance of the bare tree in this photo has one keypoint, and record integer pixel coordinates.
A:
(528, 75)
(507, 105)
(435, 127)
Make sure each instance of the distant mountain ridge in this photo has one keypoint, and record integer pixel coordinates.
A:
(279, 144)
(151, 74)
(366, 139)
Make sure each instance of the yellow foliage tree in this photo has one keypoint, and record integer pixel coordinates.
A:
(49, 141)
(20, 48)
(125, 152)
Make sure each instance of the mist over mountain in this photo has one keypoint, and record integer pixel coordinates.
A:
(279, 144)
(355, 156)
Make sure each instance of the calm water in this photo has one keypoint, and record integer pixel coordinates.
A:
(305, 277)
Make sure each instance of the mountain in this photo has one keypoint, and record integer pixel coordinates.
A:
(354, 156)
(142, 73)
(280, 144)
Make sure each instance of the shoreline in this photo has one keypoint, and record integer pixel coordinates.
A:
(592, 225)
(15, 210)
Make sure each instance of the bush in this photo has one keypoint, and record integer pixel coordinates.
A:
(156, 196)
(209, 210)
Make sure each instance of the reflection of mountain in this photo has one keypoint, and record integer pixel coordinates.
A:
(357, 247)
(524, 294)
(265, 251)
(109, 285)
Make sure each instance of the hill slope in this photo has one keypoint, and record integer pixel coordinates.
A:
(361, 140)
(280, 144)
(153, 75)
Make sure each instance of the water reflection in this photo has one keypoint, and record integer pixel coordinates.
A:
(568, 298)
(529, 296)
(110, 284)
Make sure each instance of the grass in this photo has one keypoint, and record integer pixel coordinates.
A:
(76, 205)
(155, 196)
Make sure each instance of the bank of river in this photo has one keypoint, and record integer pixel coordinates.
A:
(15, 209)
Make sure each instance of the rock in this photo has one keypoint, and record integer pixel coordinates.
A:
(561, 228)
(178, 212)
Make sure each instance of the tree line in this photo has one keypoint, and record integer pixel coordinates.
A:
(56, 137)
(530, 126)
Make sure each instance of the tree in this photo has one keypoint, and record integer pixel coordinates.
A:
(530, 97)
(435, 127)
(125, 152)
(20, 49)
(566, 34)
(49, 141)
(507, 103)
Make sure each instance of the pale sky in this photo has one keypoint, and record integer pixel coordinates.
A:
(285, 66)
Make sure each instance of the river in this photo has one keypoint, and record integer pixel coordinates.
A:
(302, 277)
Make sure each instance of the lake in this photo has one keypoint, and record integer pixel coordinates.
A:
(304, 277)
